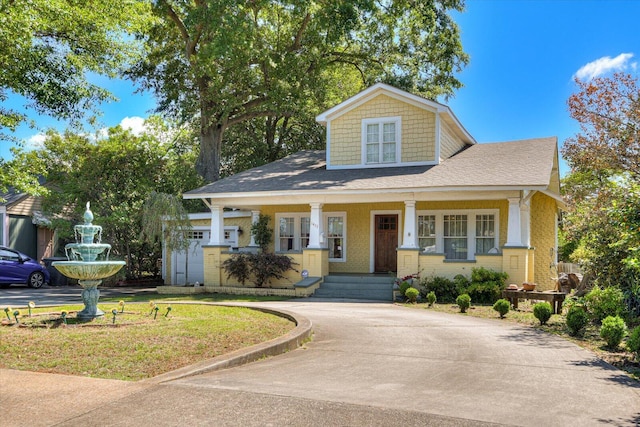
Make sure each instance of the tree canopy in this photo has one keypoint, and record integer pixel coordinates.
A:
(117, 174)
(48, 47)
(231, 62)
(603, 188)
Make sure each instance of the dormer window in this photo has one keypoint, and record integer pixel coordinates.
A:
(381, 140)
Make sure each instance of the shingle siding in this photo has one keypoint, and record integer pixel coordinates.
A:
(450, 144)
(417, 132)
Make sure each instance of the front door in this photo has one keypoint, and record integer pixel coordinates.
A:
(386, 243)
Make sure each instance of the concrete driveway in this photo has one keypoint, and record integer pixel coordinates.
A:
(384, 365)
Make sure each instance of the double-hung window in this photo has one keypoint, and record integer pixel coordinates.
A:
(427, 232)
(485, 233)
(335, 237)
(293, 230)
(455, 236)
(459, 235)
(381, 140)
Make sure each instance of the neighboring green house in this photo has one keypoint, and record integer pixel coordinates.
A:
(402, 187)
(23, 227)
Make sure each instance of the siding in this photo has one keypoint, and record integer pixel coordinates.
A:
(543, 239)
(450, 144)
(417, 133)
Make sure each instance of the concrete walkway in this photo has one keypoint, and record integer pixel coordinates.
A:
(369, 364)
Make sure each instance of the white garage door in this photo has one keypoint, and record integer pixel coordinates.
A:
(189, 266)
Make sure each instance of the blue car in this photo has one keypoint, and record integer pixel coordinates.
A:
(18, 268)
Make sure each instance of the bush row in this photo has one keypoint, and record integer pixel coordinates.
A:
(484, 287)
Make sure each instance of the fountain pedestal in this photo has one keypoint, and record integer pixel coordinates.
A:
(90, 296)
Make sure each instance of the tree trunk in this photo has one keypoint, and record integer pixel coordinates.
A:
(208, 164)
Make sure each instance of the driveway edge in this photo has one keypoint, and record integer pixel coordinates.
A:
(290, 341)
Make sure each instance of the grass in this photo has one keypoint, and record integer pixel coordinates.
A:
(137, 346)
(590, 340)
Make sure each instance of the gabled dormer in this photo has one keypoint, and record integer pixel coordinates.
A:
(383, 126)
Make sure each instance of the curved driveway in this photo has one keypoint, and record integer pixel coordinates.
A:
(381, 364)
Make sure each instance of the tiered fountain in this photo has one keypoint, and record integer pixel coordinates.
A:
(83, 264)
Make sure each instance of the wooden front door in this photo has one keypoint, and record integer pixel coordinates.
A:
(386, 243)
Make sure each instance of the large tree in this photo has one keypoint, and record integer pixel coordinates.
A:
(48, 48)
(117, 174)
(229, 62)
(603, 187)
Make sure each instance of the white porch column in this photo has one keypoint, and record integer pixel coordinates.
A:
(409, 237)
(316, 228)
(217, 225)
(514, 230)
(525, 223)
(255, 215)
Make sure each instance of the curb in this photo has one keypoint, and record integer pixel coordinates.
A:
(290, 341)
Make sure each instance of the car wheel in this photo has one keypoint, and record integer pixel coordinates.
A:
(36, 280)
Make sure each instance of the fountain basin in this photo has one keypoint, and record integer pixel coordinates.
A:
(95, 270)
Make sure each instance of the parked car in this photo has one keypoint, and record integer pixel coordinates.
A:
(18, 268)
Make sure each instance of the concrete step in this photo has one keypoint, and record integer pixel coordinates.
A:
(379, 288)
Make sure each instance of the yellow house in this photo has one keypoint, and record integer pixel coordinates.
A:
(402, 187)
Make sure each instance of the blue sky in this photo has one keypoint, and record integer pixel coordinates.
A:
(524, 56)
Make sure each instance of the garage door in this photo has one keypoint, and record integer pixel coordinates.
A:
(189, 266)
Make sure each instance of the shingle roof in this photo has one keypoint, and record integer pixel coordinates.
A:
(524, 163)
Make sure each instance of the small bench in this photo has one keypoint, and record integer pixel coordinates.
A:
(554, 298)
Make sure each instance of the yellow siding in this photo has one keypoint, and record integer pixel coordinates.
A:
(358, 242)
(543, 239)
(418, 131)
(450, 144)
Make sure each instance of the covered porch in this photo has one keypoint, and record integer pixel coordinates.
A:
(400, 234)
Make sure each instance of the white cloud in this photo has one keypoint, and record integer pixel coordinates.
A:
(135, 124)
(36, 141)
(605, 65)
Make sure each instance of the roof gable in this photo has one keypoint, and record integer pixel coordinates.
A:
(381, 88)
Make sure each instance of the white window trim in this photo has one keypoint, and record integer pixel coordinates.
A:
(397, 120)
(471, 228)
(297, 238)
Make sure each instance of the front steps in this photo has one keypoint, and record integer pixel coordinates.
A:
(354, 286)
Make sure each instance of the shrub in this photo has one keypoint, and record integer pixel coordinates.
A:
(542, 311)
(412, 294)
(613, 331)
(237, 266)
(262, 266)
(261, 231)
(632, 300)
(502, 307)
(461, 283)
(606, 302)
(464, 302)
(577, 320)
(403, 287)
(431, 298)
(633, 343)
(446, 289)
(486, 285)
(573, 301)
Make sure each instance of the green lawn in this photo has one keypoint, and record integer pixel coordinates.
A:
(136, 346)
